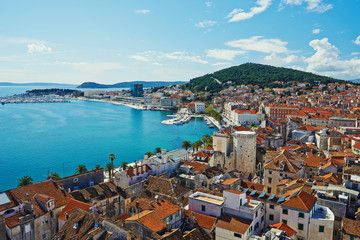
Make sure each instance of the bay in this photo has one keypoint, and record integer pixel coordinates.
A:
(37, 138)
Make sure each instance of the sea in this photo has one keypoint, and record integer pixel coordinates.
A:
(39, 138)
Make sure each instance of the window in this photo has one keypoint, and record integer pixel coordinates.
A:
(301, 215)
(285, 211)
(256, 214)
(271, 206)
(321, 228)
(27, 228)
(170, 218)
(352, 237)
(284, 221)
(269, 190)
(44, 236)
(203, 208)
(271, 217)
(262, 218)
(269, 180)
(256, 225)
(270, 172)
(238, 235)
(301, 226)
(91, 183)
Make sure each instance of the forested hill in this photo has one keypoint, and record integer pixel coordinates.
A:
(255, 74)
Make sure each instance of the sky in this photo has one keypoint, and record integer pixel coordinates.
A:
(113, 41)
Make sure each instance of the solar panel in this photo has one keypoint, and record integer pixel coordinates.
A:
(262, 194)
(4, 199)
(281, 199)
(245, 191)
(294, 194)
(272, 197)
(253, 193)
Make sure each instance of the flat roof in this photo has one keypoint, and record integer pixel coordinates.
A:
(208, 199)
(4, 199)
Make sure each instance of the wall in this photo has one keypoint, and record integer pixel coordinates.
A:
(83, 179)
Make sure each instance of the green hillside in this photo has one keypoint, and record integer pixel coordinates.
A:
(255, 74)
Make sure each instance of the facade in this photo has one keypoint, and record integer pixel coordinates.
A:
(136, 90)
(125, 178)
(240, 117)
(206, 204)
(82, 180)
(245, 149)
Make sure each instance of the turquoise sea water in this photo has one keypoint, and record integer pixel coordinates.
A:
(57, 137)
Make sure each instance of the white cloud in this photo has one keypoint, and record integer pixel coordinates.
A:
(156, 57)
(327, 61)
(223, 54)
(220, 63)
(355, 53)
(239, 14)
(208, 4)
(316, 31)
(278, 60)
(357, 40)
(38, 47)
(259, 44)
(312, 5)
(142, 11)
(204, 24)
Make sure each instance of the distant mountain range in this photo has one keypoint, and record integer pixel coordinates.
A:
(128, 84)
(33, 84)
(255, 74)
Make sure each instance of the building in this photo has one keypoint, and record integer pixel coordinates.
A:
(206, 204)
(82, 180)
(241, 117)
(136, 90)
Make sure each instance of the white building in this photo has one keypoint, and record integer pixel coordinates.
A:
(92, 93)
(240, 117)
(199, 107)
(206, 204)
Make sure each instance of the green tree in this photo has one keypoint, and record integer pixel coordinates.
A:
(205, 138)
(198, 144)
(80, 169)
(109, 168)
(97, 167)
(25, 180)
(186, 144)
(157, 150)
(149, 154)
(112, 158)
(124, 165)
(55, 175)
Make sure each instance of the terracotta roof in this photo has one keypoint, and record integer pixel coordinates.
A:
(13, 220)
(330, 178)
(255, 186)
(130, 172)
(11, 204)
(283, 226)
(302, 200)
(201, 154)
(351, 227)
(230, 181)
(313, 161)
(202, 220)
(49, 188)
(71, 206)
(197, 167)
(284, 159)
(234, 224)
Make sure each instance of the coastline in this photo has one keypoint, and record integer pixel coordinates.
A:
(138, 107)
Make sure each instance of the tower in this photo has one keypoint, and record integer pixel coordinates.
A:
(245, 151)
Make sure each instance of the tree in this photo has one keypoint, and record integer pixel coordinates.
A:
(97, 167)
(55, 175)
(80, 169)
(25, 180)
(157, 150)
(193, 146)
(149, 154)
(199, 143)
(124, 165)
(109, 168)
(112, 158)
(186, 144)
(205, 138)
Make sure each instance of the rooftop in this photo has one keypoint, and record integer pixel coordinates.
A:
(323, 213)
(207, 198)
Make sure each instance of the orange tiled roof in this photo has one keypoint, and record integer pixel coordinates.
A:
(71, 205)
(234, 224)
(202, 220)
(302, 200)
(351, 227)
(230, 181)
(283, 226)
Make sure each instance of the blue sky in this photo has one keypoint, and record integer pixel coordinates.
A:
(160, 40)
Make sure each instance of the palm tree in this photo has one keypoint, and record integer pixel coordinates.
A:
(55, 175)
(205, 138)
(97, 167)
(25, 180)
(124, 165)
(80, 169)
(149, 154)
(186, 144)
(193, 146)
(112, 158)
(198, 143)
(157, 150)
(109, 168)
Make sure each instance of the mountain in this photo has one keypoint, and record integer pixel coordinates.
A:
(255, 74)
(33, 84)
(128, 84)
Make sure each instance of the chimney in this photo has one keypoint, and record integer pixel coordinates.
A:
(139, 170)
(146, 157)
(144, 168)
(134, 171)
(163, 151)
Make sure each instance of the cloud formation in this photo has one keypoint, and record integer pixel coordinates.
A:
(206, 23)
(142, 11)
(327, 61)
(312, 5)
(275, 59)
(37, 48)
(155, 57)
(357, 40)
(239, 14)
(208, 4)
(223, 54)
(316, 31)
(259, 44)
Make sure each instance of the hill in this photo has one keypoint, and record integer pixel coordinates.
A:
(128, 84)
(255, 74)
